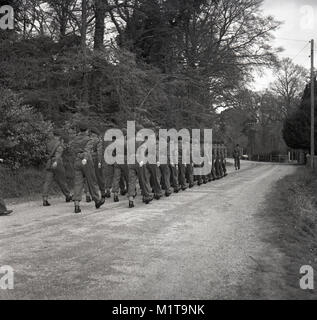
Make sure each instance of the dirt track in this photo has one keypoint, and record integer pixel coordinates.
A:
(205, 243)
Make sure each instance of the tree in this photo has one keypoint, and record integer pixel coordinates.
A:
(291, 79)
(297, 126)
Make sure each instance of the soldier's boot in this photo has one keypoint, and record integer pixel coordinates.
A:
(104, 195)
(100, 203)
(148, 199)
(168, 193)
(88, 198)
(45, 203)
(157, 196)
(124, 192)
(69, 198)
(116, 198)
(108, 194)
(6, 213)
(77, 207)
(131, 204)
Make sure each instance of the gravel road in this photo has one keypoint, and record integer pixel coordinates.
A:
(205, 243)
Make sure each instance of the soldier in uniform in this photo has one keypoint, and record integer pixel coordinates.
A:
(120, 174)
(223, 160)
(182, 165)
(236, 157)
(139, 171)
(166, 174)
(155, 175)
(3, 209)
(83, 146)
(174, 169)
(98, 159)
(55, 169)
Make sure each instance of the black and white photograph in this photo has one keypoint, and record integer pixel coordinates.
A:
(154, 151)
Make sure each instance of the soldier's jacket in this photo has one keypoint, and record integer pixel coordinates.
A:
(55, 149)
(97, 149)
(236, 153)
(186, 151)
(83, 145)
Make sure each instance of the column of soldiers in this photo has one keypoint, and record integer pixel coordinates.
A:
(99, 180)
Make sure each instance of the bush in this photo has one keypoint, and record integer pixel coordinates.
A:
(23, 132)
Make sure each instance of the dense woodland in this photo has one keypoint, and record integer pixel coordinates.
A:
(163, 63)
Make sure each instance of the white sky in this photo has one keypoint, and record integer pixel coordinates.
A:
(300, 24)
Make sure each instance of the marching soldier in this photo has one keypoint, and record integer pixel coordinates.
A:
(139, 171)
(174, 170)
(223, 160)
(182, 165)
(98, 159)
(3, 209)
(166, 174)
(155, 175)
(83, 146)
(55, 169)
(120, 174)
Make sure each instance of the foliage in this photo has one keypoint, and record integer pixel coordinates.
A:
(297, 129)
(23, 132)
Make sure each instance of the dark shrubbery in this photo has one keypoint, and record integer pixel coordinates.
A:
(23, 132)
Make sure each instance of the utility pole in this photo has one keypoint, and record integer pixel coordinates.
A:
(312, 139)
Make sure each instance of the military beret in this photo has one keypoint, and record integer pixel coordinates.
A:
(95, 131)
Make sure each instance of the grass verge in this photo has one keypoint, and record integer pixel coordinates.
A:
(292, 211)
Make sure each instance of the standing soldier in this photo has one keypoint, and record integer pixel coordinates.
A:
(55, 169)
(236, 157)
(82, 146)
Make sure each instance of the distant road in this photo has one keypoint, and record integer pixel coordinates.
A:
(204, 243)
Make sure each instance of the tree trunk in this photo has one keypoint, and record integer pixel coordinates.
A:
(100, 14)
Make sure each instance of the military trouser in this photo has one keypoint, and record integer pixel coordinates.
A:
(199, 178)
(58, 174)
(3, 207)
(109, 170)
(120, 177)
(237, 163)
(224, 167)
(87, 172)
(182, 175)
(166, 177)
(136, 172)
(155, 179)
(190, 174)
(100, 175)
(218, 169)
(174, 177)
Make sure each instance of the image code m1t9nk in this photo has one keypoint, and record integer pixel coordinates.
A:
(159, 156)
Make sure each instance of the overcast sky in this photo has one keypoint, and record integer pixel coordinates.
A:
(300, 24)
